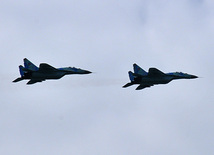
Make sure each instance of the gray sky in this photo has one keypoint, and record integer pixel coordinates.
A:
(92, 114)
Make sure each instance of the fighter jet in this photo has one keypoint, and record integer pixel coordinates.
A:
(153, 77)
(45, 72)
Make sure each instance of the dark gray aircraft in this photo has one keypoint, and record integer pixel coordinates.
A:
(45, 72)
(153, 77)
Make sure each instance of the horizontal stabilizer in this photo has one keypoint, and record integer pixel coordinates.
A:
(127, 85)
(18, 79)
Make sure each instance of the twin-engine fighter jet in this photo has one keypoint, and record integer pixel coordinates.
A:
(153, 77)
(45, 72)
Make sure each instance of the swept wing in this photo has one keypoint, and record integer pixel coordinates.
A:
(155, 72)
(43, 67)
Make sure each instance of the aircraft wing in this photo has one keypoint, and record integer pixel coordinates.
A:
(155, 72)
(32, 81)
(142, 86)
(46, 68)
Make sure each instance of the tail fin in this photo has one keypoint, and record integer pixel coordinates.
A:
(131, 76)
(21, 70)
(139, 70)
(29, 65)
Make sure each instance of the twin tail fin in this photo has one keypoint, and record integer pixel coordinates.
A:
(29, 65)
(131, 77)
(138, 70)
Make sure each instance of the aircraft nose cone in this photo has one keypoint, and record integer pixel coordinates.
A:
(87, 72)
(194, 77)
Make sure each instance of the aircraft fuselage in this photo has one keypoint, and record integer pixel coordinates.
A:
(153, 80)
(45, 72)
(47, 75)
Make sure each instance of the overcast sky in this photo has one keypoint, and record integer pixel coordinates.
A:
(92, 114)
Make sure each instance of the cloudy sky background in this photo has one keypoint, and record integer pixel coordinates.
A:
(92, 114)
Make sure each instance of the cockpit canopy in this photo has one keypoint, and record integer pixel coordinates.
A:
(178, 74)
(70, 69)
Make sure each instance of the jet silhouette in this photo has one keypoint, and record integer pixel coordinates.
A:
(153, 77)
(44, 72)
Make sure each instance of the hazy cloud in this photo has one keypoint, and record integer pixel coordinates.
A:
(92, 114)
